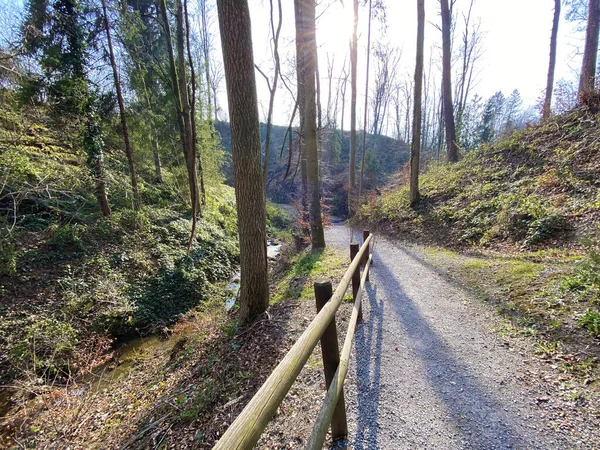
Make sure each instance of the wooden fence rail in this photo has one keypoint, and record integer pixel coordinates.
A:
(247, 428)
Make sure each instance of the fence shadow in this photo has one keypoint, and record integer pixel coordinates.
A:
(482, 419)
(368, 343)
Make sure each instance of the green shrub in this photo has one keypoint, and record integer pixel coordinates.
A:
(545, 228)
(277, 217)
(132, 220)
(46, 347)
(67, 237)
(8, 259)
(586, 278)
(591, 321)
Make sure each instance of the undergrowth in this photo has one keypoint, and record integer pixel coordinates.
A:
(537, 188)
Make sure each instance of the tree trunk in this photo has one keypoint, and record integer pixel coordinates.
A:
(192, 102)
(236, 42)
(587, 79)
(550, 81)
(353, 84)
(101, 188)
(364, 140)
(300, 37)
(128, 149)
(451, 146)
(309, 56)
(176, 86)
(415, 149)
(186, 107)
(206, 55)
(273, 90)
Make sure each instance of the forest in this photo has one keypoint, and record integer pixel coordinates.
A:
(173, 173)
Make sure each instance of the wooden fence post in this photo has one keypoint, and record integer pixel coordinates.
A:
(365, 259)
(356, 277)
(331, 359)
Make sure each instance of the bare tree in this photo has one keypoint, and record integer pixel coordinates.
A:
(388, 59)
(272, 85)
(587, 77)
(117, 82)
(470, 52)
(353, 85)
(236, 41)
(179, 85)
(415, 148)
(552, 64)
(366, 111)
(452, 148)
(301, 100)
(308, 55)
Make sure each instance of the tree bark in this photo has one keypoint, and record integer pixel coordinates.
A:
(236, 42)
(272, 89)
(364, 140)
(300, 37)
(101, 188)
(194, 142)
(415, 149)
(128, 149)
(552, 64)
(177, 86)
(452, 148)
(587, 79)
(309, 56)
(353, 84)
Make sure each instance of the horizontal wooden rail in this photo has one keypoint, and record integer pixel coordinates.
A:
(245, 431)
(319, 433)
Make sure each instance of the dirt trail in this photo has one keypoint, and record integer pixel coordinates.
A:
(428, 372)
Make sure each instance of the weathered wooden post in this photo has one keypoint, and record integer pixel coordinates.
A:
(365, 259)
(331, 359)
(356, 277)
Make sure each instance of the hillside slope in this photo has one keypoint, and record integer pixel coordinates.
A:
(537, 188)
(518, 224)
(384, 157)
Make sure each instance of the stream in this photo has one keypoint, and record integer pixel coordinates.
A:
(273, 251)
(128, 353)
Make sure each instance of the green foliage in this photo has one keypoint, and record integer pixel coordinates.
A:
(278, 219)
(67, 237)
(45, 347)
(591, 321)
(206, 393)
(8, 259)
(586, 278)
(532, 188)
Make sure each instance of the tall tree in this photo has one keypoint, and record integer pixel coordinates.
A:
(300, 72)
(364, 140)
(272, 86)
(415, 148)
(179, 88)
(552, 64)
(236, 42)
(353, 85)
(122, 113)
(451, 146)
(587, 78)
(55, 33)
(308, 48)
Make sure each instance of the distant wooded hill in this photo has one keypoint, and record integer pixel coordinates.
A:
(384, 156)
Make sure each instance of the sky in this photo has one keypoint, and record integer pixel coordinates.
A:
(516, 37)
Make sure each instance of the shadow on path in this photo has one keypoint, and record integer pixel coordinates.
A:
(368, 370)
(481, 419)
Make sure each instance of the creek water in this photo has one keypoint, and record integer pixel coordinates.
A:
(128, 354)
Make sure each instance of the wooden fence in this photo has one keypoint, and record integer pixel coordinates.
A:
(247, 428)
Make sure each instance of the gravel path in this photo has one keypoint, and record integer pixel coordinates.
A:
(427, 372)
